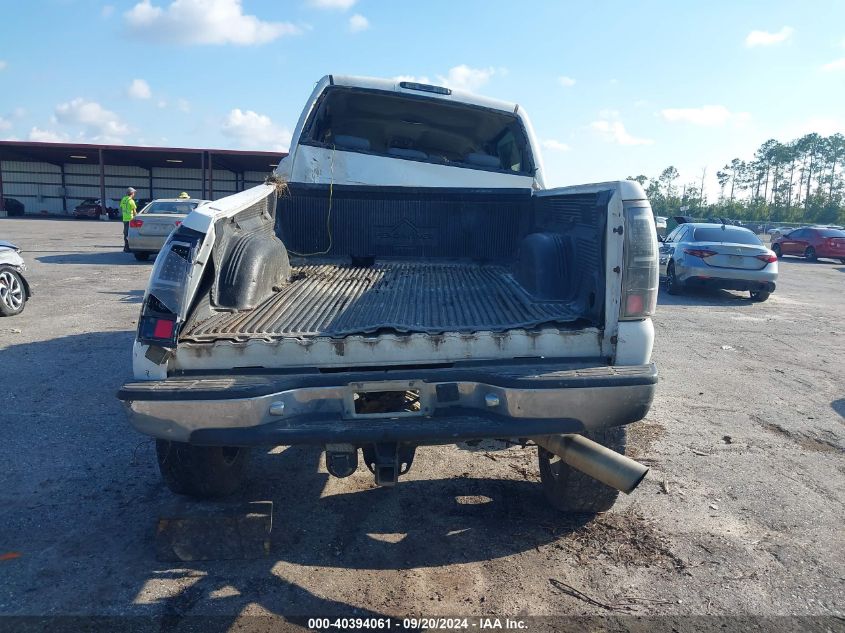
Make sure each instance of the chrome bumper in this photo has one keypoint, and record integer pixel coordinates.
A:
(515, 401)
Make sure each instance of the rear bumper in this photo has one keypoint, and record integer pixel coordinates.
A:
(146, 243)
(477, 402)
(730, 284)
(831, 253)
(728, 278)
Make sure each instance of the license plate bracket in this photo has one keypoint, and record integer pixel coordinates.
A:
(390, 399)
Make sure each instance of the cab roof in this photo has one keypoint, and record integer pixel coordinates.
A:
(394, 85)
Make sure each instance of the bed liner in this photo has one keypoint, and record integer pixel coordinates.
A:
(336, 300)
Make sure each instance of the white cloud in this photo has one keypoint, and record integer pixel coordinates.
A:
(555, 146)
(101, 125)
(708, 115)
(107, 10)
(358, 23)
(610, 127)
(764, 38)
(463, 77)
(183, 105)
(343, 5)
(3, 64)
(18, 113)
(162, 103)
(566, 82)
(204, 22)
(5, 124)
(250, 130)
(139, 89)
(838, 64)
(47, 136)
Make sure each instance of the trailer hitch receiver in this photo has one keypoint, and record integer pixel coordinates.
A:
(388, 460)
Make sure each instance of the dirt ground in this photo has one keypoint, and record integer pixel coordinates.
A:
(741, 515)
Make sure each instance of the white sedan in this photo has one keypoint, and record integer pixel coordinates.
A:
(149, 230)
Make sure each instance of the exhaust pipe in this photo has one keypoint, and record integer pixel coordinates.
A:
(595, 460)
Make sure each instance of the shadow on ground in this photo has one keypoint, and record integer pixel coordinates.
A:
(127, 296)
(110, 258)
(97, 481)
(807, 262)
(422, 523)
(418, 524)
(704, 297)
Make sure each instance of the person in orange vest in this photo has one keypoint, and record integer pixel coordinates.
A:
(127, 209)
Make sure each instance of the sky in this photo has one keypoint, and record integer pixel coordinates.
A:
(614, 89)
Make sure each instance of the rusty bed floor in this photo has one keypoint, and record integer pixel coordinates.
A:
(333, 300)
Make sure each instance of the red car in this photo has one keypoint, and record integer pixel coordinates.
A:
(811, 243)
(92, 209)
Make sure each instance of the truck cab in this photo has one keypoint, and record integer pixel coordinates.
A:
(363, 131)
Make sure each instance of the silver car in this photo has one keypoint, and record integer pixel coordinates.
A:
(149, 230)
(717, 256)
(14, 289)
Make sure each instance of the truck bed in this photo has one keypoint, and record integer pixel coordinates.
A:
(336, 300)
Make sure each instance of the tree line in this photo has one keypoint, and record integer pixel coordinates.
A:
(800, 182)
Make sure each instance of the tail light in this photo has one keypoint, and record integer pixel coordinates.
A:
(769, 258)
(178, 222)
(639, 275)
(699, 252)
(136, 224)
(165, 305)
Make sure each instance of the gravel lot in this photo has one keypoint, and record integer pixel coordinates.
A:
(742, 513)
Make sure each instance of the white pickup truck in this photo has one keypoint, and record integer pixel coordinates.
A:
(403, 279)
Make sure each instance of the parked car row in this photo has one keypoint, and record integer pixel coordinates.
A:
(92, 209)
(706, 254)
(147, 234)
(89, 208)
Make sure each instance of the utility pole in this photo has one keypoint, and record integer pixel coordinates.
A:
(701, 191)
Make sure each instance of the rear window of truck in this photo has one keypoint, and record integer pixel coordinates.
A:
(419, 128)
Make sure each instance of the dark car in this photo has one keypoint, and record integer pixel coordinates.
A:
(811, 243)
(13, 206)
(92, 209)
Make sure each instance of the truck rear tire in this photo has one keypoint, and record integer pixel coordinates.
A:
(204, 472)
(570, 490)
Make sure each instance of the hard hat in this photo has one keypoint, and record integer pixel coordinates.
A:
(183, 196)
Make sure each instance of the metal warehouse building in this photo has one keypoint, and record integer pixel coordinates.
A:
(52, 178)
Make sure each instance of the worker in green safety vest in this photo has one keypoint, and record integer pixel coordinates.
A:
(127, 208)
